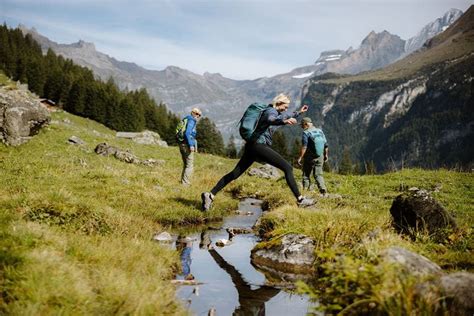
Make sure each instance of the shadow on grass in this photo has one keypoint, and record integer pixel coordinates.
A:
(194, 204)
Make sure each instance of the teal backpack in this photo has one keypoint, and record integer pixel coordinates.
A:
(181, 129)
(318, 140)
(248, 122)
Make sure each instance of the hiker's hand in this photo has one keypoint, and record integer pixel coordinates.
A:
(325, 158)
(299, 161)
(290, 121)
(304, 108)
(192, 149)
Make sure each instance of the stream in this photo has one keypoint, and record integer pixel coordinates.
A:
(227, 281)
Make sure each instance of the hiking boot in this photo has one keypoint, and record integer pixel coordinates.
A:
(207, 200)
(305, 202)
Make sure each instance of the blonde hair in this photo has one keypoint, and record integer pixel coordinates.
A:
(196, 111)
(281, 98)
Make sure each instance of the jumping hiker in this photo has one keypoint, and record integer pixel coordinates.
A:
(314, 153)
(257, 146)
(186, 137)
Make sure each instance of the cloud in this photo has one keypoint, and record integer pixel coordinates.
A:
(157, 53)
(238, 38)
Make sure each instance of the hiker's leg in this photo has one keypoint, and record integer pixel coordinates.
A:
(318, 174)
(307, 168)
(267, 154)
(188, 172)
(244, 163)
(184, 154)
(188, 163)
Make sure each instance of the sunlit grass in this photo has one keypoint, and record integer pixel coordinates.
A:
(76, 227)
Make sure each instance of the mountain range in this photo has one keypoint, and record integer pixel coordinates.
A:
(223, 99)
(417, 111)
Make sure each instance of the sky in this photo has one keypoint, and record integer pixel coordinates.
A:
(240, 39)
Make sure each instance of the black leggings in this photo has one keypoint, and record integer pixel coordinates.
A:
(261, 153)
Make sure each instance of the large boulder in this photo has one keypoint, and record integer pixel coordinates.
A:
(292, 253)
(449, 294)
(454, 292)
(417, 211)
(21, 116)
(457, 290)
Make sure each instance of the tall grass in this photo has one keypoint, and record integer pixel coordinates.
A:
(76, 228)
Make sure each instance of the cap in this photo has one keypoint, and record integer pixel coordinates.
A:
(196, 111)
(281, 98)
(306, 120)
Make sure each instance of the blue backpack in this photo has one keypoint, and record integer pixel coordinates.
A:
(317, 141)
(248, 122)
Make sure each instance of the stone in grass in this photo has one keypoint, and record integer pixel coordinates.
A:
(410, 262)
(163, 237)
(452, 294)
(292, 253)
(417, 211)
(74, 140)
(458, 292)
(21, 116)
(266, 171)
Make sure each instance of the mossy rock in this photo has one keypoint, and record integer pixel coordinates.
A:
(416, 211)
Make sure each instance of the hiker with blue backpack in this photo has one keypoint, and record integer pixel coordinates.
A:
(256, 128)
(186, 138)
(314, 152)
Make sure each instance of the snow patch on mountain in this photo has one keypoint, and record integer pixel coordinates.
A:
(305, 75)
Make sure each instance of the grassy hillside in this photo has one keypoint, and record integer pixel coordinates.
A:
(76, 227)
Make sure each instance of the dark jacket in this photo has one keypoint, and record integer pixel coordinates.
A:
(266, 126)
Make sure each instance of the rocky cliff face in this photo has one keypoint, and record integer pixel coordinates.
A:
(422, 117)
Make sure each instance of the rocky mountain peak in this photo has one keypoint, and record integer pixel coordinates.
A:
(451, 16)
(432, 29)
(84, 45)
(212, 75)
(375, 39)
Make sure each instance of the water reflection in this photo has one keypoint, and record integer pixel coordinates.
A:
(185, 246)
(225, 279)
(252, 301)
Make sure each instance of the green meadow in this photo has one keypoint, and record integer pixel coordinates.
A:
(76, 228)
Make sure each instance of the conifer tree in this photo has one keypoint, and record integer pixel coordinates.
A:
(231, 149)
(209, 138)
(75, 87)
(370, 168)
(279, 144)
(295, 152)
(76, 98)
(35, 76)
(346, 162)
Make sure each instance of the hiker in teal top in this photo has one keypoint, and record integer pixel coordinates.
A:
(186, 137)
(314, 153)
